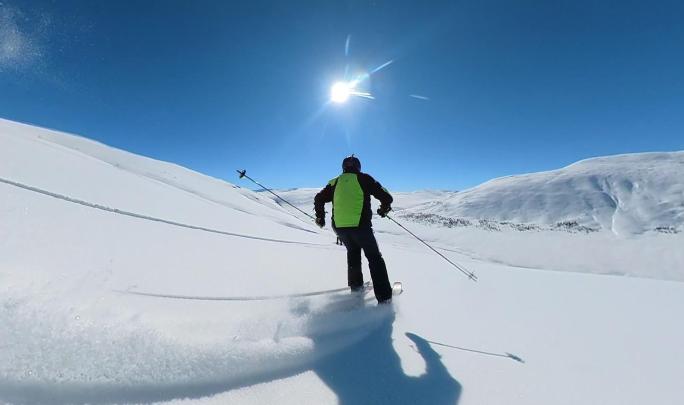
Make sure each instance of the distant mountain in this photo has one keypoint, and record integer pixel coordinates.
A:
(626, 194)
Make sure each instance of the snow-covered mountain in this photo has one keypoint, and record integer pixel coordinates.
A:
(626, 194)
(83, 226)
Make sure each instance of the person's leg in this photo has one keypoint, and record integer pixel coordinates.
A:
(378, 269)
(354, 273)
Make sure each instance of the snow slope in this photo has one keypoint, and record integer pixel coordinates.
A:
(82, 223)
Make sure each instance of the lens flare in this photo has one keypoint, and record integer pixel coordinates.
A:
(340, 92)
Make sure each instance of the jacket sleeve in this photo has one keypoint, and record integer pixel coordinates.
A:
(323, 196)
(378, 191)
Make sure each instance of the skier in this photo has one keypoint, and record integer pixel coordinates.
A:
(351, 219)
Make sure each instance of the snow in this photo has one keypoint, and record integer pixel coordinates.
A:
(70, 334)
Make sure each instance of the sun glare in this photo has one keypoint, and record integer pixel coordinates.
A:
(340, 92)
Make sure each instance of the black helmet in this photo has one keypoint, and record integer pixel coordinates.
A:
(351, 164)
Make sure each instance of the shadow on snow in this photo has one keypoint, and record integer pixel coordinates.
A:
(370, 372)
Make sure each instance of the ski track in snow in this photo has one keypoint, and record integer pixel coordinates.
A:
(154, 219)
(236, 298)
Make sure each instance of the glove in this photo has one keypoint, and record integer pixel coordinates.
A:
(320, 221)
(383, 210)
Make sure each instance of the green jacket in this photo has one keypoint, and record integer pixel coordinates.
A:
(350, 194)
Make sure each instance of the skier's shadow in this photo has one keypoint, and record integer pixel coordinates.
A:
(369, 370)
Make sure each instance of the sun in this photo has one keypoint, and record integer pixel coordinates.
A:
(340, 92)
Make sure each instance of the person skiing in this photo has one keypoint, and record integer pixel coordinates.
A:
(351, 219)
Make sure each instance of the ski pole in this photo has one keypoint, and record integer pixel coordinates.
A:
(470, 274)
(243, 173)
(505, 354)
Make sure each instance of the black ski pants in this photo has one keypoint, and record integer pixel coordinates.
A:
(356, 239)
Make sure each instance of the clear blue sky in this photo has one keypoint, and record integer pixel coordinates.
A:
(512, 86)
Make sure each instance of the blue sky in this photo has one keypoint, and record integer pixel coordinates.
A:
(511, 86)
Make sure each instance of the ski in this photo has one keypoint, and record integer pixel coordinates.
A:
(397, 289)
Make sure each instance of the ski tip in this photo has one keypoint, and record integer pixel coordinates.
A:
(397, 288)
(514, 357)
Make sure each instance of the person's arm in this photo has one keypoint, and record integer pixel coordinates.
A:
(323, 196)
(378, 191)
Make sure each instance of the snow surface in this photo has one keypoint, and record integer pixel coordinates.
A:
(82, 223)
